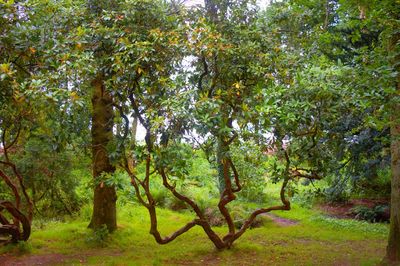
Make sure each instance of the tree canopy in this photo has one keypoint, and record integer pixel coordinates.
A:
(292, 93)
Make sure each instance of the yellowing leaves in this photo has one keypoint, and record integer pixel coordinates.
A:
(74, 96)
(80, 31)
(173, 41)
(32, 50)
(124, 41)
(238, 85)
(7, 2)
(139, 70)
(155, 32)
(245, 107)
(6, 69)
(159, 67)
(79, 46)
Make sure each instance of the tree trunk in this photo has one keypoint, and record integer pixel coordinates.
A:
(222, 148)
(222, 152)
(393, 248)
(131, 157)
(104, 208)
(134, 130)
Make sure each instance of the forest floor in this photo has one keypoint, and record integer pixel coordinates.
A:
(298, 237)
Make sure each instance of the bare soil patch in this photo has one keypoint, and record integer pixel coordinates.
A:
(280, 221)
(344, 210)
(47, 259)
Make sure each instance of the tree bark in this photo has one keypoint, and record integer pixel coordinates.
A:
(393, 248)
(105, 197)
(222, 151)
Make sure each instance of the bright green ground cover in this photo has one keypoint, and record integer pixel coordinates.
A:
(315, 240)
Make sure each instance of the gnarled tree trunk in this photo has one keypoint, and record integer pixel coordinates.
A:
(7, 228)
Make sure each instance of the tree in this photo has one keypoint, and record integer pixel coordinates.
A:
(298, 96)
(37, 78)
(15, 114)
(228, 76)
(372, 49)
(378, 75)
(61, 124)
(105, 198)
(333, 34)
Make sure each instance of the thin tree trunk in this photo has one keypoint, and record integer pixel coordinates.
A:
(134, 130)
(131, 157)
(222, 151)
(326, 22)
(104, 208)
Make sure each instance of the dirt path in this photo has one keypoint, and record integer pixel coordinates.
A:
(280, 221)
(48, 259)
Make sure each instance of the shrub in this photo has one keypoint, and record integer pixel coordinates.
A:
(379, 213)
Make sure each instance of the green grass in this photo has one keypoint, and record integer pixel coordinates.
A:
(315, 240)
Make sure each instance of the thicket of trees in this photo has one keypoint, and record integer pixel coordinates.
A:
(315, 82)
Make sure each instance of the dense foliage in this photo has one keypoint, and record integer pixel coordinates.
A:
(229, 98)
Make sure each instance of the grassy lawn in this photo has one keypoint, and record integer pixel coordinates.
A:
(314, 240)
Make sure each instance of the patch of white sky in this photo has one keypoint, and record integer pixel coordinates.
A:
(261, 3)
(141, 132)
